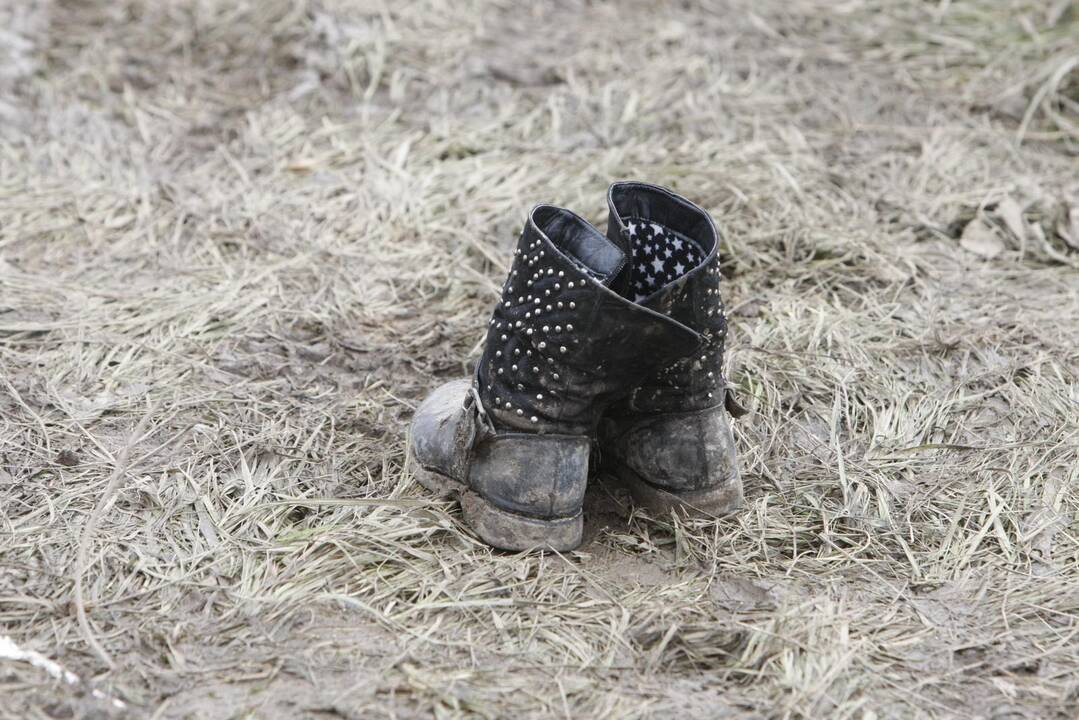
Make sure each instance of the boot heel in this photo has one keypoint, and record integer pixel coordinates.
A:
(501, 528)
(672, 459)
(722, 499)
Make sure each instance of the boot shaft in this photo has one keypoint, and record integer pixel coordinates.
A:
(672, 247)
(561, 344)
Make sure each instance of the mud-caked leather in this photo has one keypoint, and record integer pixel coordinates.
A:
(449, 437)
(670, 435)
(513, 442)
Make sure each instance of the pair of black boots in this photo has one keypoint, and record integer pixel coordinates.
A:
(615, 340)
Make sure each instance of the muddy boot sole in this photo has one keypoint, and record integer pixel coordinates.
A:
(711, 502)
(503, 529)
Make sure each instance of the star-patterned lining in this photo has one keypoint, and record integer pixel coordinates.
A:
(659, 256)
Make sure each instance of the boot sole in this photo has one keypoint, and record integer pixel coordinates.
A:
(501, 528)
(712, 502)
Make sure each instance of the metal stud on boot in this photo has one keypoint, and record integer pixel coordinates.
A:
(669, 439)
(513, 442)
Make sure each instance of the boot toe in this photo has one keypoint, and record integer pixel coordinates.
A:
(437, 426)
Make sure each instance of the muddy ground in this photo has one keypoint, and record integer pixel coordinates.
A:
(239, 242)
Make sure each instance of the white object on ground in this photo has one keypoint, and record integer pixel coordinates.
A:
(10, 651)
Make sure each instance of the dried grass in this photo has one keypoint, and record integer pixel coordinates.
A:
(266, 230)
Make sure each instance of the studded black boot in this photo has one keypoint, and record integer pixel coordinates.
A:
(669, 439)
(513, 442)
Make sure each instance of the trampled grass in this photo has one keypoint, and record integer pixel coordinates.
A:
(240, 242)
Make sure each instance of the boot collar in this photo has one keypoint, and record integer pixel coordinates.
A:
(658, 204)
(576, 240)
(561, 343)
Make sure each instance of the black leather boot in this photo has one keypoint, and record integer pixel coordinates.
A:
(513, 443)
(669, 439)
